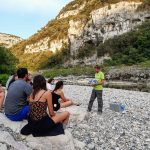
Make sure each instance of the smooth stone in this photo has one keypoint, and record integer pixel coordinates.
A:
(91, 146)
(76, 111)
(16, 126)
(5, 137)
(64, 142)
(3, 146)
(56, 142)
(79, 145)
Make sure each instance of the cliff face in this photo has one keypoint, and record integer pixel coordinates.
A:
(104, 23)
(86, 21)
(8, 40)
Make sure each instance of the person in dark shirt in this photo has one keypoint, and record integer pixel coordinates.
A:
(58, 98)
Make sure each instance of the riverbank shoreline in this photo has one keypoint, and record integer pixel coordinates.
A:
(111, 130)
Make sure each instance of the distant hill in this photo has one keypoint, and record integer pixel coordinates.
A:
(81, 26)
(8, 40)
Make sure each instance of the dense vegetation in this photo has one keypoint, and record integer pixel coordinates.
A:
(87, 50)
(7, 64)
(130, 48)
(7, 61)
(78, 70)
(59, 58)
(34, 61)
(145, 5)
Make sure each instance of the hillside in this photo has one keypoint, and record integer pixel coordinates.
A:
(8, 40)
(80, 23)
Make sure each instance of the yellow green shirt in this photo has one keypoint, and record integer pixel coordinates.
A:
(99, 76)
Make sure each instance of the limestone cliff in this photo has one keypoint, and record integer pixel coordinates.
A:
(8, 40)
(85, 21)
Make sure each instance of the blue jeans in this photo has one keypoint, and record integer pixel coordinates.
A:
(23, 114)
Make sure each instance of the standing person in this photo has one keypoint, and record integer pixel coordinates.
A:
(40, 123)
(97, 90)
(16, 105)
(50, 83)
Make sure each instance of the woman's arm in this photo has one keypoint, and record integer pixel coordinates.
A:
(62, 96)
(49, 102)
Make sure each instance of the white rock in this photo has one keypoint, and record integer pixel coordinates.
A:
(76, 111)
(3, 147)
(60, 142)
(79, 145)
(9, 140)
(56, 142)
(117, 148)
(91, 146)
(16, 126)
(9, 40)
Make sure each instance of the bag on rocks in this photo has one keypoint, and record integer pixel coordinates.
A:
(117, 107)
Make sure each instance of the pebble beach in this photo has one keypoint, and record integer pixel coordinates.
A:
(129, 130)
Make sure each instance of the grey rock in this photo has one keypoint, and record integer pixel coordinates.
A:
(3, 146)
(91, 146)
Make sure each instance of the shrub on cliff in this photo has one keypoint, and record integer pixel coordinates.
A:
(130, 48)
(59, 57)
(7, 61)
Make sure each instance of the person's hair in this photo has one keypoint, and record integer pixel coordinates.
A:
(21, 72)
(97, 67)
(58, 85)
(50, 80)
(39, 83)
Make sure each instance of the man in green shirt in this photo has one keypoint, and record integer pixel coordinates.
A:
(97, 90)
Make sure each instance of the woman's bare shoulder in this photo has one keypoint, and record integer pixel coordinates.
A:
(59, 92)
(48, 92)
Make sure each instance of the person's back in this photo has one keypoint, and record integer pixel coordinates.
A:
(16, 107)
(17, 96)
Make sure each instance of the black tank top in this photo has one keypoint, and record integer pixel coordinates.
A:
(55, 101)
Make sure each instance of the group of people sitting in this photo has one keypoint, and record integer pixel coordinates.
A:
(38, 102)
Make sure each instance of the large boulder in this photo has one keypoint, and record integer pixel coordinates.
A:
(11, 137)
(78, 113)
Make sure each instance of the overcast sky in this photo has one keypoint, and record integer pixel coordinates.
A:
(24, 17)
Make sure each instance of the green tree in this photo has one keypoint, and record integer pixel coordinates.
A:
(7, 61)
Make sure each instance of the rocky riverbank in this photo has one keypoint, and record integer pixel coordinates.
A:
(111, 130)
(129, 78)
(90, 131)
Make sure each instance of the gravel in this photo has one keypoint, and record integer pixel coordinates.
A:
(112, 130)
(129, 130)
